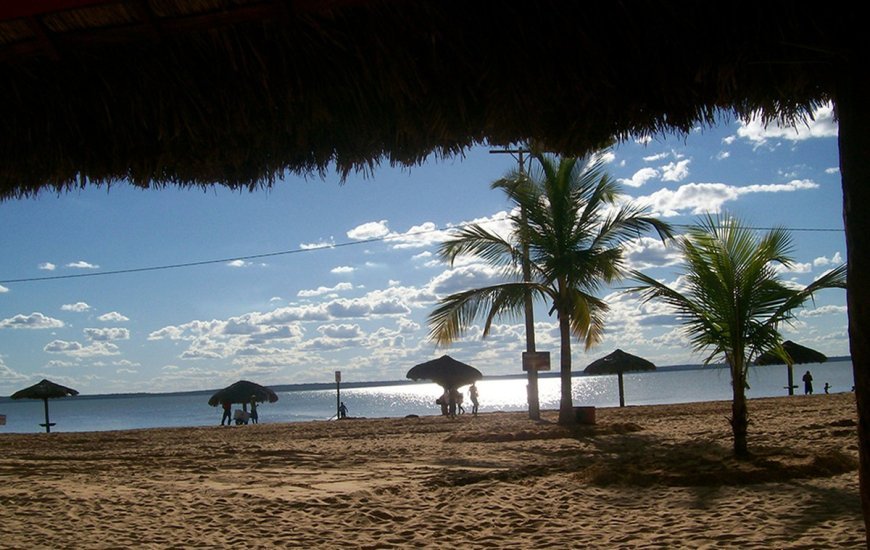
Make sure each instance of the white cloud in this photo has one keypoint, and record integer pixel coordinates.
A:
(3, 289)
(76, 349)
(47, 266)
(239, 263)
(643, 140)
(836, 259)
(656, 158)
(640, 177)
(794, 267)
(369, 230)
(320, 291)
(320, 244)
(722, 155)
(35, 320)
(729, 139)
(604, 157)
(820, 125)
(107, 334)
(700, 198)
(342, 331)
(824, 310)
(112, 317)
(832, 170)
(9, 376)
(676, 171)
(342, 270)
(78, 307)
(81, 264)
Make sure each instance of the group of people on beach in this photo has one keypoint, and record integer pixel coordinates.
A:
(242, 415)
(451, 401)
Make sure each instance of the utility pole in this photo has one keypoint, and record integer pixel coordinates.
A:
(532, 372)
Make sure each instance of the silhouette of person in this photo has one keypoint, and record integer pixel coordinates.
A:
(255, 418)
(228, 409)
(472, 394)
(443, 402)
(827, 387)
(808, 383)
(342, 410)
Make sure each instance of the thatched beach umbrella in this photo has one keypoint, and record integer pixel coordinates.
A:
(445, 371)
(242, 392)
(44, 390)
(617, 363)
(798, 354)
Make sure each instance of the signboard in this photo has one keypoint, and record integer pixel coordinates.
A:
(536, 360)
(337, 376)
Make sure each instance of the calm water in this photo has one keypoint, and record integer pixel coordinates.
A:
(681, 386)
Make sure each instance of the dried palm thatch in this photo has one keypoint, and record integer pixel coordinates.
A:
(45, 390)
(238, 92)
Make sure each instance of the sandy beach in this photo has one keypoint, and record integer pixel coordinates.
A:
(642, 477)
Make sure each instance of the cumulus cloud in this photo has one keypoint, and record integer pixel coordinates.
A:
(700, 198)
(106, 334)
(603, 157)
(320, 291)
(78, 307)
(239, 263)
(824, 310)
(47, 266)
(656, 158)
(722, 155)
(76, 349)
(3, 289)
(320, 244)
(342, 331)
(820, 125)
(112, 317)
(35, 320)
(342, 270)
(832, 170)
(640, 177)
(836, 259)
(10, 376)
(676, 171)
(369, 230)
(81, 264)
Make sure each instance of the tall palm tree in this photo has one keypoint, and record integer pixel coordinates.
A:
(570, 219)
(734, 301)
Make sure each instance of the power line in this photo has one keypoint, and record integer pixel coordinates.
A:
(301, 250)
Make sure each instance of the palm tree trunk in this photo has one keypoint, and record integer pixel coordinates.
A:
(566, 405)
(853, 88)
(739, 412)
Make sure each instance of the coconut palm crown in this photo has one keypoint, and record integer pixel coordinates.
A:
(732, 301)
(570, 216)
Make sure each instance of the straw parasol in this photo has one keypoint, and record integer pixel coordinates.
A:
(445, 371)
(45, 390)
(798, 354)
(617, 363)
(242, 392)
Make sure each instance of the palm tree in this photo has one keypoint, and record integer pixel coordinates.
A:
(569, 218)
(734, 301)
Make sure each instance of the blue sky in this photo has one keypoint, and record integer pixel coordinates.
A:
(356, 273)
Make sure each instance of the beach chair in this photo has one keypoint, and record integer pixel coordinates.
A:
(241, 417)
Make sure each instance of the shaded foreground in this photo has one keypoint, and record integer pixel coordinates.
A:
(644, 476)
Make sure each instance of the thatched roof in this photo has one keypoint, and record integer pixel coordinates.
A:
(237, 92)
(618, 362)
(45, 389)
(799, 354)
(242, 392)
(445, 371)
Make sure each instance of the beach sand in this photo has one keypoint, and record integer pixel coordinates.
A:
(642, 477)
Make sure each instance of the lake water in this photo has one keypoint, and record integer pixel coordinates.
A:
(91, 413)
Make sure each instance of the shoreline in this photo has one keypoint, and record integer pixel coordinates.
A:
(649, 475)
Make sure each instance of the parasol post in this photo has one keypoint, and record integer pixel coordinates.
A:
(791, 384)
(47, 423)
(621, 389)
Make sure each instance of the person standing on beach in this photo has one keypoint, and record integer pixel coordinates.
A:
(228, 409)
(808, 383)
(342, 410)
(255, 418)
(472, 394)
